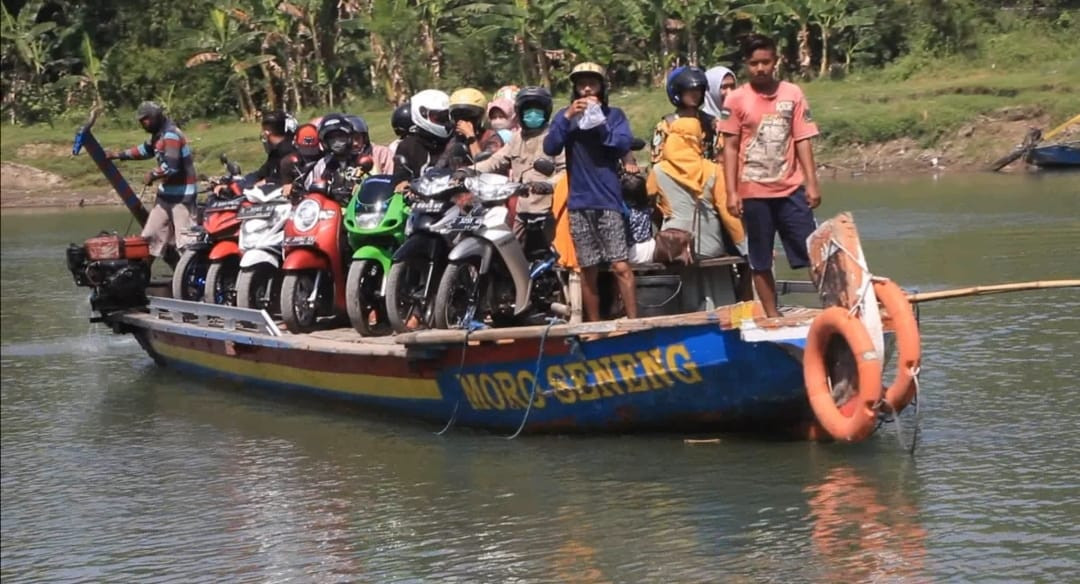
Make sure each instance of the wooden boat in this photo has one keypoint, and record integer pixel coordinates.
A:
(713, 365)
(1055, 156)
(728, 368)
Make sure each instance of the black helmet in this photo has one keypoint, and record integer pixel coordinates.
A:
(334, 123)
(331, 124)
(279, 123)
(536, 96)
(152, 111)
(683, 79)
(401, 120)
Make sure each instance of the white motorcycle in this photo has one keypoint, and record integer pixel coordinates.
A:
(262, 232)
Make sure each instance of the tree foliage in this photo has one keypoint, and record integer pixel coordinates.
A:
(237, 57)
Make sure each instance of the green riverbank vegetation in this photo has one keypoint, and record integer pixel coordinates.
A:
(875, 70)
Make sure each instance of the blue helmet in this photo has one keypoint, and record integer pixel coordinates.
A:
(682, 79)
(359, 126)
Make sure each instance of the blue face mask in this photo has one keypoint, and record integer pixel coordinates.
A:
(533, 118)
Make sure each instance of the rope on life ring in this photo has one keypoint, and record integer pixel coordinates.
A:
(908, 344)
(855, 422)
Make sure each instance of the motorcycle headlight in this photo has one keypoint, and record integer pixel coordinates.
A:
(306, 215)
(369, 220)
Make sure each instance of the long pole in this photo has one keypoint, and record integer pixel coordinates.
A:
(992, 289)
(84, 138)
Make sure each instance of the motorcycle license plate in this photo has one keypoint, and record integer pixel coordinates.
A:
(466, 223)
(257, 212)
(223, 205)
(427, 206)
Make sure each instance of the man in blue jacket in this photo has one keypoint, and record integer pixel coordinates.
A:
(595, 137)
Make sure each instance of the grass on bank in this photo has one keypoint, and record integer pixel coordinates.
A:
(876, 107)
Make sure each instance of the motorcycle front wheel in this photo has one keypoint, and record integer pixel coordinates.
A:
(297, 310)
(457, 303)
(189, 276)
(367, 310)
(256, 287)
(406, 295)
(221, 281)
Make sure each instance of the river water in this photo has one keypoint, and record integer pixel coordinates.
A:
(115, 470)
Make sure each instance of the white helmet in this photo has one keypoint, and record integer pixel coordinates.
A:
(430, 111)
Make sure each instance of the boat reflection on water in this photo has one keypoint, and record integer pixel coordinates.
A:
(865, 532)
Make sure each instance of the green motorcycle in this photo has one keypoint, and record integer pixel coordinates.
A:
(375, 225)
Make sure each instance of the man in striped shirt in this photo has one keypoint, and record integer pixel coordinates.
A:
(172, 216)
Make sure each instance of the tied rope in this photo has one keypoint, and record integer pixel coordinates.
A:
(142, 195)
(536, 377)
(894, 416)
(461, 367)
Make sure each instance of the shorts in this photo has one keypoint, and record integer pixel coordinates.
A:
(169, 221)
(789, 216)
(599, 236)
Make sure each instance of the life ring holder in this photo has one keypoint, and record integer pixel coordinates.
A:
(908, 343)
(860, 422)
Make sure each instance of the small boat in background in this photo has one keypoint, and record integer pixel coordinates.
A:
(1055, 156)
(1036, 152)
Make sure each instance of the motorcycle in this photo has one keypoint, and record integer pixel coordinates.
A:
(262, 232)
(313, 283)
(419, 263)
(375, 224)
(215, 238)
(490, 273)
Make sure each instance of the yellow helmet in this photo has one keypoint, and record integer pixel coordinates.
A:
(587, 68)
(467, 103)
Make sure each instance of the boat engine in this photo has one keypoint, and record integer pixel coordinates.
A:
(116, 269)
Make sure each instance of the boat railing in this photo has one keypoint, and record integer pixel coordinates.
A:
(230, 317)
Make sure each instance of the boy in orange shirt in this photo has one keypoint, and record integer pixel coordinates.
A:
(769, 168)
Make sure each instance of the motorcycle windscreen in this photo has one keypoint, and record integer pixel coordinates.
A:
(374, 194)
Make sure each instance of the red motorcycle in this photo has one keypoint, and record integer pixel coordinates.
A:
(198, 275)
(313, 285)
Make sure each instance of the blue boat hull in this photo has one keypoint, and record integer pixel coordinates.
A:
(1057, 156)
(681, 379)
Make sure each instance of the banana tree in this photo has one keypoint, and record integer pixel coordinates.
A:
(786, 16)
(833, 18)
(90, 76)
(227, 43)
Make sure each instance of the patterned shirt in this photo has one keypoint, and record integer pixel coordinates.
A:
(768, 126)
(176, 165)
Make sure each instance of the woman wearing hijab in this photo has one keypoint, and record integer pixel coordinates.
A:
(502, 118)
(721, 83)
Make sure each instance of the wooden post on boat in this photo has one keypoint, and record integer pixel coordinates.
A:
(85, 138)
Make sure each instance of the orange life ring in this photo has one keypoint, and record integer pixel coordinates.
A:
(908, 344)
(856, 420)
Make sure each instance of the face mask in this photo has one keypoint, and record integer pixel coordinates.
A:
(533, 118)
(500, 124)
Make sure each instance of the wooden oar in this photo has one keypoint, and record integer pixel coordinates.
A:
(992, 289)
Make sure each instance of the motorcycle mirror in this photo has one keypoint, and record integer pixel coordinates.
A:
(637, 144)
(224, 159)
(366, 164)
(482, 156)
(544, 166)
(401, 162)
